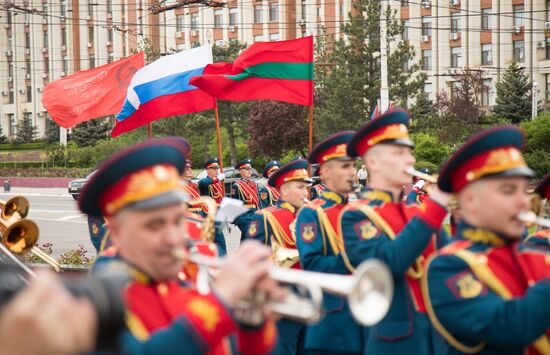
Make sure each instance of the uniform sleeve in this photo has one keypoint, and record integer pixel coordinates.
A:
(412, 197)
(204, 322)
(469, 310)
(314, 252)
(363, 240)
(257, 341)
(263, 195)
(257, 229)
(235, 192)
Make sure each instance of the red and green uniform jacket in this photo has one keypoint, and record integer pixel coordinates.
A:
(488, 294)
(246, 191)
(316, 190)
(321, 249)
(273, 227)
(212, 187)
(403, 237)
(173, 318)
(540, 238)
(268, 196)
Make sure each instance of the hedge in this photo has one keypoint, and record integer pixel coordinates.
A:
(23, 146)
(45, 172)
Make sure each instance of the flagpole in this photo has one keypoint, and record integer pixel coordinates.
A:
(150, 130)
(218, 133)
(310, 128)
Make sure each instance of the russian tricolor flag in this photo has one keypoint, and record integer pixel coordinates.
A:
(161, 89)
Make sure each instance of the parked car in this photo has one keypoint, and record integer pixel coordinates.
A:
(76, 185)
(231, 175)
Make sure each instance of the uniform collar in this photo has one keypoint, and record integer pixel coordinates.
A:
(378, 195)
(481, 235)
(287, 206)
(335, 197)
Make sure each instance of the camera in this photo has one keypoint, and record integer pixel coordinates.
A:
(104, 292)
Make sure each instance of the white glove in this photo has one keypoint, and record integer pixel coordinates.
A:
(221, 176)
(419, 184)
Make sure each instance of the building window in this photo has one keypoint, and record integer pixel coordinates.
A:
(63, 36)
(29, 93)
(273, 11)
(10, 41)
(46, 65)
(90, 8)
(519, 51)
(455, 86)
(233, 16)
(456, 57)
(63, 8)
(486, 15)
(547, 87)
(110, 58)
(10, 69)
(342, 9)
(258, 13)
(547, 10)
(405, 33)
(426, 26)
(180, 23)
(518, 15)
(45, 11)
(455, 22)
(404, 3)
(218, 18)
(486, 93)
(486, 54)
(426, 59)
(12, 123)
(274, 37)
(45, 38)
(110, 6)
(548, 48)
(90, 35)
(28, 66)
(110, 34)
(428, 89)
(194, 20)
(65, 65)
(258, 38)
(304, 8)
(92, 61)
(28, 40)
(9, 19)
(11, 96)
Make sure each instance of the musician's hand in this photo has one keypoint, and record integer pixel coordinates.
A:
(221, 176)
(439, 196)
(242, 271)
(45, 319)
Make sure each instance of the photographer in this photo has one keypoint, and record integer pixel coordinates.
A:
(45, 319)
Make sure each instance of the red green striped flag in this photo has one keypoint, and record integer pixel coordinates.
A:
(280, 71)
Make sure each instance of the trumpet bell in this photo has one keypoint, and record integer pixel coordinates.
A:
(20, 236)
(372, 293)
(17, 204)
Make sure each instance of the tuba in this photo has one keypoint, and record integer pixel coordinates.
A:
(368, 290)
(17, 204)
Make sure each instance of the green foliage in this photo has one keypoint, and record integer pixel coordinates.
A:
(513, 99)
(347, 76)
(33, 259)
(88, 133)
(23, 146)
(25, 170)
(26, 132)
(422, 109)
(428, 149)
(537, 147)
(3, 138)
(52, 131)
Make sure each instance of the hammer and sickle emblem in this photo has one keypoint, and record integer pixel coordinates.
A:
(124, 75)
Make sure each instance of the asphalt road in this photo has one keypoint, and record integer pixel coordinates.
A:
(61, 223)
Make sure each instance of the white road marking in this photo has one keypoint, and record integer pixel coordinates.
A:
(32, 210)
(57, 220)
(67, 218)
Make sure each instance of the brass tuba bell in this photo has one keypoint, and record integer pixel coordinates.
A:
(17, 204)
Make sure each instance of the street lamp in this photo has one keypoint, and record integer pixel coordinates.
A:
(534, 100)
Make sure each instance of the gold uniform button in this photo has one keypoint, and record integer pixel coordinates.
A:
(162, 289)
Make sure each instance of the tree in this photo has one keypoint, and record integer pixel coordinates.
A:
(90, 132)
(458, 115)
(513, 99)
(3, 138)
(26, 132)
(52, 131)
(423, 119)
(277, 128)
(537, 147)
(350, 87)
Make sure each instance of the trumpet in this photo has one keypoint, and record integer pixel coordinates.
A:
(429, 178)
(531, 218)
(20, 236)
(369, 291)
(17, 204)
